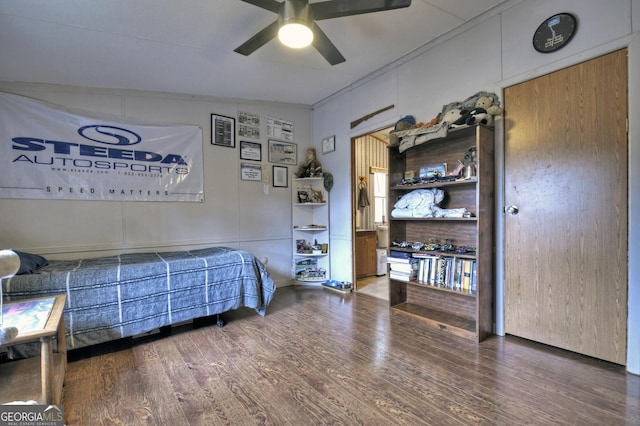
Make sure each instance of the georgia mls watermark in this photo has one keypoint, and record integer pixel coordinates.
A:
(31, 415)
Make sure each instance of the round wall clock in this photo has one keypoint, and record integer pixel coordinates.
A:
(555, 32)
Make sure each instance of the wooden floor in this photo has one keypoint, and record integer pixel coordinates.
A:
(374, 286)
(320, 358)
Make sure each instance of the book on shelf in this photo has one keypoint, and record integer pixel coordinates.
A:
(457, 275)
(446, 272)
(474, 278)
(466, 274)
(426, 267)
(402, 276)
(397, 254)
(403, 264)
(403, 269)
(421, 266)
(440, 272)
(398, 261)
(432, 270)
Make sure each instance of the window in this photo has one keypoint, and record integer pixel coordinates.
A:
(380, 196)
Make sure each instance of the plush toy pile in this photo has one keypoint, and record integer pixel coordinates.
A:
(480, 108)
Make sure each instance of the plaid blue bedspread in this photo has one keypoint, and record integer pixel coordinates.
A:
(129, 294)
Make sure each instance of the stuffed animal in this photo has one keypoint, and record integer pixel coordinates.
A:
(453, 115)
(484, 102)
(494, 110)
(405, 123)
(479, 116)
(428, 124)
(491, 108)
(470, 117)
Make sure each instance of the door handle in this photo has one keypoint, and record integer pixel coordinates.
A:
(512, 210)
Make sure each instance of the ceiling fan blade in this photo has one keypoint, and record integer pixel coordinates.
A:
(271, 5)
(338, 8)
(258, 40)
(323, 45)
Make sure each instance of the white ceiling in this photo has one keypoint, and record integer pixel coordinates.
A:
(186, 46)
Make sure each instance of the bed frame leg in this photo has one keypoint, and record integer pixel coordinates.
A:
(219, 321)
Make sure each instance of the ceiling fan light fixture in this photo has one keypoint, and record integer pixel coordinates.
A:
(300, 16)
(295, 35)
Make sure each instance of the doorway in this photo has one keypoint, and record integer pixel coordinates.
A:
(566, 228)
(369, 155)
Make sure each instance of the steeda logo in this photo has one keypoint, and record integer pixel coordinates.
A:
(31, 415)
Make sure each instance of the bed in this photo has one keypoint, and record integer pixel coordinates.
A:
(125, 295)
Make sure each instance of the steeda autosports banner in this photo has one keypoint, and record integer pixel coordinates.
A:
(49, 152)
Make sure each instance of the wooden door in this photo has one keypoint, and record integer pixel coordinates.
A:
(366, 261)
(566, 172)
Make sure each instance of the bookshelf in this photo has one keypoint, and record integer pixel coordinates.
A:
(455, 306)
(310, 217)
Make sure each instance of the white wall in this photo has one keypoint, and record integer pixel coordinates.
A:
(235, 213)
(490, 53)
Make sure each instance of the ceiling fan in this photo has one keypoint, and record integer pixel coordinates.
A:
(302, 15)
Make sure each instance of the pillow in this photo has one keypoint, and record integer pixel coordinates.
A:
(29, 263)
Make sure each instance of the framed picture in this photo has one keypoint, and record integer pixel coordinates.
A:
(250, 171)
(282, 152)
(328, 144)
(280, 176)
(433, 170)
(223, 131)
(249, 125)
(250, 151)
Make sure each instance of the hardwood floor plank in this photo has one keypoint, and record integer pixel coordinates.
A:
(322, 358)
(186, 389)
(329, 378)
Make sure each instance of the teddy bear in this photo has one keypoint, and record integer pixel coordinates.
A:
(490, 109)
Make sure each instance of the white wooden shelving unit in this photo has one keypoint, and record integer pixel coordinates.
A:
(310, 217)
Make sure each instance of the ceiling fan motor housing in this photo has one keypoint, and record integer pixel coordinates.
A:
(296, 12)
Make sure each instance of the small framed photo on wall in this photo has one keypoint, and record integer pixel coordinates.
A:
(280, 177)
(282, 152)
(250, 151)
(328, 144)
(250, 171)
(223, 131)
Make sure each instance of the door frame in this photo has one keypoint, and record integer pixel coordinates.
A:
(353, 194)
